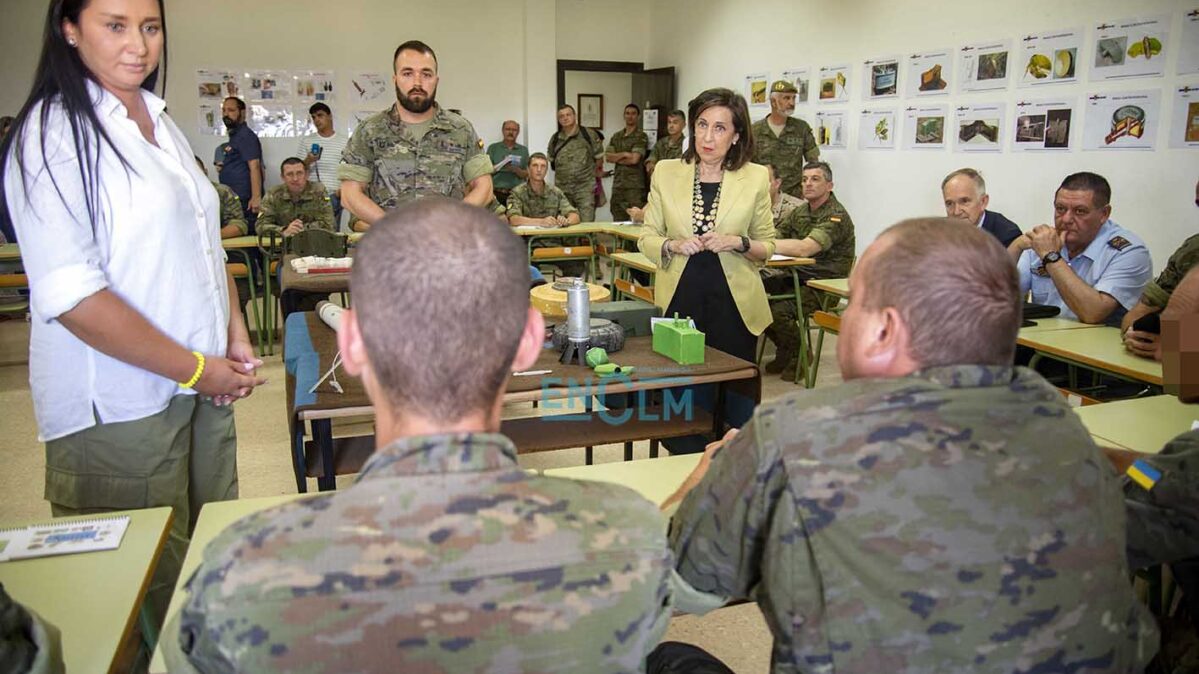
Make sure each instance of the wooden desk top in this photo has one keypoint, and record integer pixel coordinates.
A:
(93, 598)
(833, 286)
(1141, 424)
(236, 242)
(1099, 347)
(10, 252)
(569, 230)
(655, 479)
(637, 261)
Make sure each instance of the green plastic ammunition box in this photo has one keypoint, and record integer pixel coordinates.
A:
(678, 341)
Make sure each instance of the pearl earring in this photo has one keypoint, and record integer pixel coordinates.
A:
(71, 41)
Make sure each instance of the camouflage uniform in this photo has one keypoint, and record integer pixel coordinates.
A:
(397, 167)
(1163, 523)
(444, 556)
(959, 519)
(573, 159)
(1158, 292)
(783, 208)
(311, 206)
(231, 210)
(831, 227)
(665, 148)
(526, 203)
(28, 644)
(628, 182)
(788, 152)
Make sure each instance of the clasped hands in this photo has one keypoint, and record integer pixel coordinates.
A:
(1042, 239)
(716, 243)
(555, 221)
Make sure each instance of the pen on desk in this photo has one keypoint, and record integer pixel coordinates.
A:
(529, 373)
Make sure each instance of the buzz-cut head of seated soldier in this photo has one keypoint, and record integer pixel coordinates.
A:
(1080, 207)
(963, 308)
(441, 318)
(294, 174)
(965, 195)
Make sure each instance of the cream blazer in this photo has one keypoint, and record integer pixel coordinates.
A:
(744, 210)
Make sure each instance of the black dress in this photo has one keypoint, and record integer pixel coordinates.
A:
(703, 295)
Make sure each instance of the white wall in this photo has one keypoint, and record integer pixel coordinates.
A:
(617, 90)
(603, 30)
(717, 43)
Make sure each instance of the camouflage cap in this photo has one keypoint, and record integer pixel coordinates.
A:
(783, 87)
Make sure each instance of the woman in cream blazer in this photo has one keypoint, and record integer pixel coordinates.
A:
(712, 276)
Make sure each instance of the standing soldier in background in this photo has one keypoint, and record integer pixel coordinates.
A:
(626, 150)
(577, 156)
(670, 147)
(784, 141)
(413, 149)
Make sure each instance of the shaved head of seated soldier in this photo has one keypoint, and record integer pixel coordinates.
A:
(441, 316)
(962, 309)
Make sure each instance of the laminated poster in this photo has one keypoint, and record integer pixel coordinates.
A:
(1185, 131)
(924, 127)
(367, 88)
(929, 73)
(1188, 55)
(217, 85)
(1124, 48)
(978, 127)
(830, 130)
(756, 86)
(802, 79)
(1050, 57)
(313, 85)
(1043, 125)
(268, 86)
(834, 83)
(1121, 120)
(876, 129)
(880, 78)
(984, 66)
(272, 120)
(210, 120)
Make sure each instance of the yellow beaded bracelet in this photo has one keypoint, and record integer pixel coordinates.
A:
(199, 371)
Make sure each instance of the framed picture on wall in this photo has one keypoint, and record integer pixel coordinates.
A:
(591, 111)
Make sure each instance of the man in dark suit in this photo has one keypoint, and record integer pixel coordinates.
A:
(965, 195)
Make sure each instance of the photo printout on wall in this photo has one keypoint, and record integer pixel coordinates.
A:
(978, 127)
(1121, 120)
(985, 66)
(924, 126)
(1044, 125)
(1124, 48)
(929, 73)
(876, 129)
(880, 78)
(1051, 57)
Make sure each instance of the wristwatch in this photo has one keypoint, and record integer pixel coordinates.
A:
(744, 245)
(1050, 258)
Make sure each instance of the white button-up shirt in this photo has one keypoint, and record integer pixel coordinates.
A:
(155, 244)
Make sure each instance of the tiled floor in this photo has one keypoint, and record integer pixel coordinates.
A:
(737, 635)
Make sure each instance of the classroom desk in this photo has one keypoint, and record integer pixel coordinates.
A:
(586, 231)
(655, 479)
(832, 286)
(566, 396)
(1097, 348)
(1141, 424)
(214, 518)
(10, 252)
(93, 598)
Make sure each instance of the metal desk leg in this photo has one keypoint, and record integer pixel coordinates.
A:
(297, 457)
(322, 433)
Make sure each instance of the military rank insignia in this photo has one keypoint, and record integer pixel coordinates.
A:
(834, 218)
(1040, 270)
(480, 143)
(1144, 474)
(1119, 242)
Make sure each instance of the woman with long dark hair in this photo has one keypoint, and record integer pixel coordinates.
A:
(137, 347)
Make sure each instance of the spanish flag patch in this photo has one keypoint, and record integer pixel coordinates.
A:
(1144, 474)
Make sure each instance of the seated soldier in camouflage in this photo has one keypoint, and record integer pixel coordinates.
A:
(819, 228)
(941, 511)
(296, 205)
(1155, 296)
(1161, 491)
(444, 555)
(536, 203)
(233, 218)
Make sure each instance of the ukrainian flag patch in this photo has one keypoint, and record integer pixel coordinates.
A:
(1144, 474)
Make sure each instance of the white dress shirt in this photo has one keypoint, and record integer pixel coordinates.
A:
(156, 244)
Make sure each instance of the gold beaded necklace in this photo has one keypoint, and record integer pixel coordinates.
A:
(701, 223)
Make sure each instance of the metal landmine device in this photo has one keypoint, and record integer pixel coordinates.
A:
(678, 341)
(578, 323)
